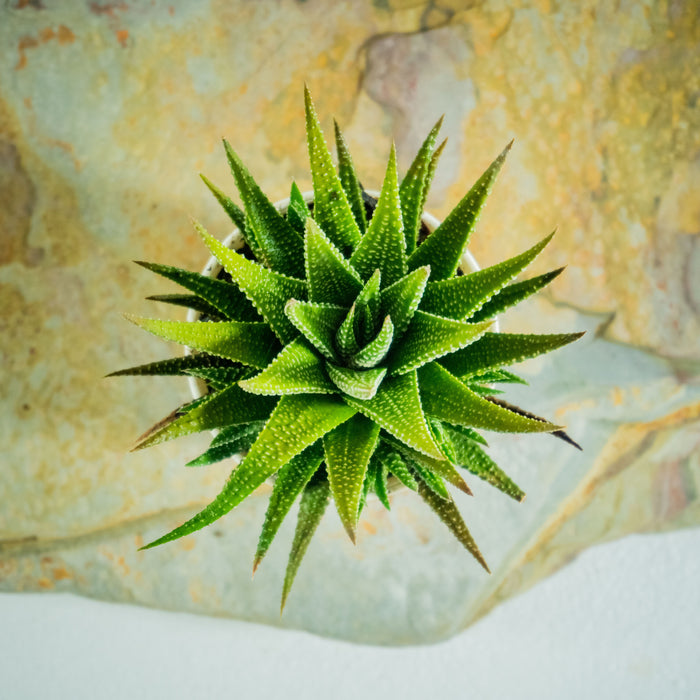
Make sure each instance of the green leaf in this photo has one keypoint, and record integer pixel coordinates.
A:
(498, 376)
(219, 377)
(396, 466)
(223, 296)
(375, 351)
(360, 384)
(429, 478)
(432, 167)
(483, 390)
(250, 343)
(296, 370)
(473, 458)
(296, 423)
(447, 511)
(173, 366)
(397, 408)
(429, 337)
(291, 480)
(460, 297)
(383, 247)
(401, 299)
(412, 186)
(468, 433)
(228, 407)
(230, 207)
(513, 294)
(348, 449)
(318, 323)
(313, 504)
(191, 301)
(345, 337)
(446, 398)
(279, 246)
(348, 179)
(231, 441)
(330, 276)
(444, 247)
(366, 485)
(298, 211)
(269, 291)
(331, 208)
(367, 305)
(381, 486)
(494, 350)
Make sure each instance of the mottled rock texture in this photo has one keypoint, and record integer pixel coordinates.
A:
(107, 113)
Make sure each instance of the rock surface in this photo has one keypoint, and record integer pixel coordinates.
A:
(107, 113)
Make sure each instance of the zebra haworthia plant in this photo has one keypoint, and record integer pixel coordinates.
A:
(343, 349)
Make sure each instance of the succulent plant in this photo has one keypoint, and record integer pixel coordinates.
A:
(345, 351)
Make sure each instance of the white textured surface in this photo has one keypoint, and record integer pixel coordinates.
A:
(621, 622)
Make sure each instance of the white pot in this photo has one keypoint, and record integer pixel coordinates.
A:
(235, 242)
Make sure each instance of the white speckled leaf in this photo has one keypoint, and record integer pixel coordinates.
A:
(230, 207)
(318, 323)
(429, 337)
(296, 370)
(375, 351)
(348, 449)
(361, 384)
(397, 408)
(383, 247)
(296, 423)
(345, 339)
(269, 291)
(331, 207)
(432, 167)
(250, 343)
(448, 399)
(460, 297)
(443, 248)
(349, 180)
(401, 299)
(298, 210)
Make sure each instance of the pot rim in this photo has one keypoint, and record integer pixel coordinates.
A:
(234, 241)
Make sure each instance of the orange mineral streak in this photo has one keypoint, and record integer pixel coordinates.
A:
(122, 37)
(63, 35)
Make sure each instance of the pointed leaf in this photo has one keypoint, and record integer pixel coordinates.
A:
(383, 247)
(173, 366)
(348, 449)
(429, 337)
(397, 408)
(219, 377)
(468, 433)
(345, 340)
(513, 294)
(296, 423)
(444, 247)
(223, 296)
(349, 181)
(250, 343)
(381, 486)
(279, 246)
(330, 276)
(396, 466)
(448, 399)
(432, 167)
(473, 458)
(291, 480)
(494, 350)
(268, 290)
(298, 211)
(231, 441)
(412, 186)
(401, 299)
(498, 376)
(429, 478)
(230, 207)
(318, 323)
(367, 305)
(447, 511)
(331, 208)
(296, 370)
(460, 297)
(360, 384)
(375, 351)
(227, 407)
(191, 301)
(313, 504)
